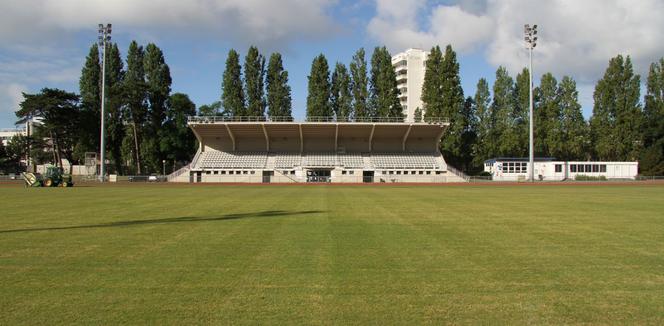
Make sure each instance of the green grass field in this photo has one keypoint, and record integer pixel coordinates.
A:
(332, 255)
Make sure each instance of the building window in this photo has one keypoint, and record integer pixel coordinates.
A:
(208, 172)
(223, 172)
(253, 172)
(245, 172)
(602, 168)
(428, 172)
(595, 168)
(216, 172)
(572, 168)
(343, 172)
(230, 172)
(439, 172)
(421, 172)
(398, 172)
(559, 168)
(351, 172)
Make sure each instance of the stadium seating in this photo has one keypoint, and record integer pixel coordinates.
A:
(248, 160)
(320, 159)
(404, 160)
(349, 160)
(287, 160)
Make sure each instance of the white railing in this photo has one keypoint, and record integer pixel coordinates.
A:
(221, 119)
(458, 173)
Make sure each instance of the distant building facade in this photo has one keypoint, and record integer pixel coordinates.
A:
(410, 67)
(548, 169)
(7, 134)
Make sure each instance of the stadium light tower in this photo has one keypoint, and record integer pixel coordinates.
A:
(531, 42)
(104, 38)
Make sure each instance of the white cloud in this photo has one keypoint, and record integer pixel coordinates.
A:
(396, 25)
(264, 22)
(11, 95)
(575, 37)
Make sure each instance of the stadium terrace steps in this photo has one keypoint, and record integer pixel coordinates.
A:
(249, 160)
(405, 161)
(281, 160)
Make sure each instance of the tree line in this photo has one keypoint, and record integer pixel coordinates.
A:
(495, 123)
(146, 124)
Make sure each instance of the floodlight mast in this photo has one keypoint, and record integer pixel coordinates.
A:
(531, 42)
(104, 38)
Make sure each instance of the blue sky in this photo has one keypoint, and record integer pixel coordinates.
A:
(43, 43)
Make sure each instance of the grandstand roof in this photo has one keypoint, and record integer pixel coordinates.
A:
(317, 134)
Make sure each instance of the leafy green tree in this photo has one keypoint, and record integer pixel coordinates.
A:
(213, 109)
(279, 100)
(90, 90)
(158, 82)
(574, 130)
(254, 74)
(114, 106)
(177, 140)
(341, 98)
(384, 95)
(232, 95)
(17, 149)
(652, 159)
(548, 135)
(468, 119)
(359, 84)
(485, 146)
(135, 100)
(504, 122)
(521, 111)
(318, 99)
(418, 114)
(453, 108)
(617, 116)
(60, 113)
(432, 97)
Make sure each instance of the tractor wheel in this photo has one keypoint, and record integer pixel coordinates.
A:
(64, 185)
(48, 182)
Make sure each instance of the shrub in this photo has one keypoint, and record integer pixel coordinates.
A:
(583, 177)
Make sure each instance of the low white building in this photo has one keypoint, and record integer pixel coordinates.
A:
(548, 169)
(7, 134)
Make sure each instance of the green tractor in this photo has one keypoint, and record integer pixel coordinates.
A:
(53, 177)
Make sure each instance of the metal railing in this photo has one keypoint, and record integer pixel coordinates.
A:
(218, 119)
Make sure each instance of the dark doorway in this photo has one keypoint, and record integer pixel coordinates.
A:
(368, 176)
(267, 176)
(318, 175)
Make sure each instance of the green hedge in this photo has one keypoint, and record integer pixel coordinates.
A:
(583, 177)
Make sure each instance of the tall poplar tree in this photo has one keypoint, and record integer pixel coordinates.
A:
(136, 102)
(502, 108)
(574, 130)
(432, 97)
(90, 90)
(617, 116)
(485, 145)
(232, 95)
(318, 99)
(547, 120)
(114, 106)
(521, 110)
(384, 95)
(158, 82)
(341, 98)
(652, 159)
(359, 82)
(278, 91)
(254, 74)
(452, 107)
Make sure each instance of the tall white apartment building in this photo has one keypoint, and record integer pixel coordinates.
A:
(410, 67)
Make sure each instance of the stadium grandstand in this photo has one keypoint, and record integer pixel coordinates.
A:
(281, 150)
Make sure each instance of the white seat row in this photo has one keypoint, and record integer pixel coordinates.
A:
(216, 159)
(404, 160)
(287, 160)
